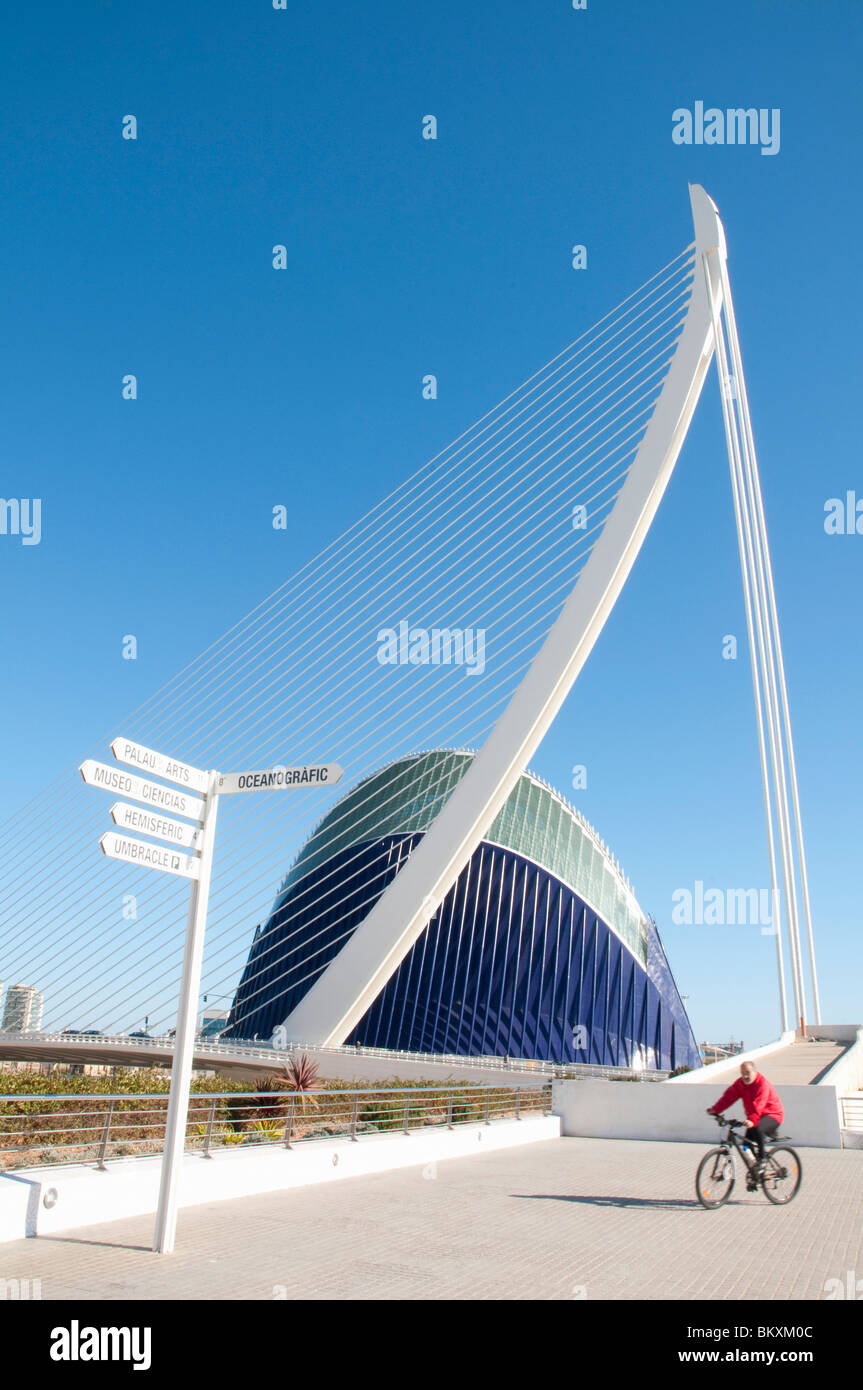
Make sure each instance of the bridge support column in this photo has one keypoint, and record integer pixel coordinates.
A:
(779, 783)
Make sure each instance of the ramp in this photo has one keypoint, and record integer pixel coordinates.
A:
(796, 1064)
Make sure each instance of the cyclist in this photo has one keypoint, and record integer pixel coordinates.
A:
(764, 1112)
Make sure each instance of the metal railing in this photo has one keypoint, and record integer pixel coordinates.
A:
(45, 1130)
(852, 1112)
(229, 1047)
(488, 1063)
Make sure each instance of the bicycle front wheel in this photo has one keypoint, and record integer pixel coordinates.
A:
(782, 1176)
(715, 1178)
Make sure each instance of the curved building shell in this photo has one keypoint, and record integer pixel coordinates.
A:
(539, 950)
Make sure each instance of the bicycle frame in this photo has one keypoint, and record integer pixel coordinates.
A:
(733, 1140)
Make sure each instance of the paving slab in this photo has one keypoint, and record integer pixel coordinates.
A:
(562, 1219)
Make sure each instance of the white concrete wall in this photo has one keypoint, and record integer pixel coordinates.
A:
(84, 1195)
(365, 1067)
(833, 1032)
(662, 1110)
(19, 1201)
(846, 1073)
(845, 1077)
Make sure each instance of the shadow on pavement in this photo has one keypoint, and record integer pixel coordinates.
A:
(663, 1203)
(107, 1244)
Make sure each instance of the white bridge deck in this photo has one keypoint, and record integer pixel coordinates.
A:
(245, 1061)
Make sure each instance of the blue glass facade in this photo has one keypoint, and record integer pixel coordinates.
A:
(516, 961)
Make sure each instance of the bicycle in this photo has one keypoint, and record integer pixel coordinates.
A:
(780, 1176)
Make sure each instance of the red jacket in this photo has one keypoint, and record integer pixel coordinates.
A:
(759, 1098)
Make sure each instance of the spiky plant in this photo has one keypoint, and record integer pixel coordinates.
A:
(268, 1104)
(301, 1076)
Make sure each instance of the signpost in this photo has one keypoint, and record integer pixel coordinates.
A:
(197, 867)
(279, 778)
(148, 760)
(153, 856)
(151, 823)
(184, 1040)
(114, 779)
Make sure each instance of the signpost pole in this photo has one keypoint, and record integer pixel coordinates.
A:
(153, 821)
(184, 1042)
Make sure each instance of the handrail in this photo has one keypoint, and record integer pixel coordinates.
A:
(132, 1125)
(287, 1092)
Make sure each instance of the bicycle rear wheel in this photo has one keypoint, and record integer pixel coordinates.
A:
(715, 1178)
(782, 1176)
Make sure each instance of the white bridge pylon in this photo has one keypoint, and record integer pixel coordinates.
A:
(340, 996)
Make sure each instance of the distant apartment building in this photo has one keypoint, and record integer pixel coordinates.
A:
(213, 1023)
(22, 1012)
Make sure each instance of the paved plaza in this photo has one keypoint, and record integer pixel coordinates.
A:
(559, 1219)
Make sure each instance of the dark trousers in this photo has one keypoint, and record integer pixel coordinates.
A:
(765, 1129)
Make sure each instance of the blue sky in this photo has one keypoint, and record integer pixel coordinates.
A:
(407, 256)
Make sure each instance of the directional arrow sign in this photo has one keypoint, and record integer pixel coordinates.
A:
(151, 823)
(159, 765)
(280, 778)
(114, 779)
(151, 856)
